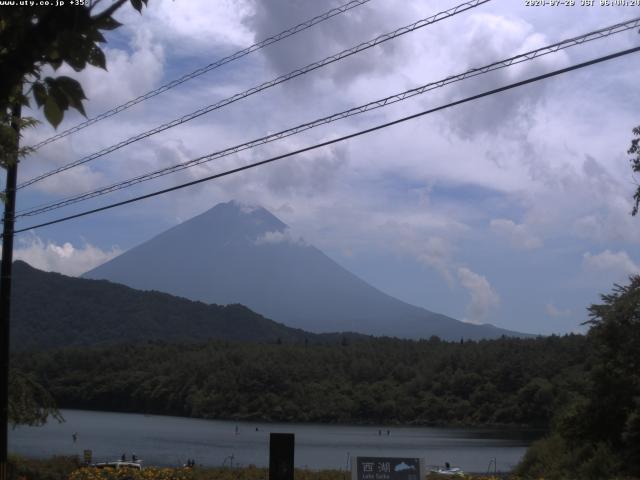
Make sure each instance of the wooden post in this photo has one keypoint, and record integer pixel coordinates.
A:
(5, 292)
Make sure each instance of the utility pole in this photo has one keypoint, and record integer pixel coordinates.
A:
(5, 289)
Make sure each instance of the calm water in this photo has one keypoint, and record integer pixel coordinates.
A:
(163, 440)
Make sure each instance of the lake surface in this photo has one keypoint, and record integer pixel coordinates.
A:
(164, 440)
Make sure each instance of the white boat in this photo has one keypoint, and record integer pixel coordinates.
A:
(448, 471)
(119, 464)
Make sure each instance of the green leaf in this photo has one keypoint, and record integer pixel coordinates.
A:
(77, 104)
(137, 4)
(73, 92)
(97, 58)
(71, 87)
(59, 96)
(55, 64)
(76, 58)
(108, 23)
(52, 112)
(39, 93)
(96, 36)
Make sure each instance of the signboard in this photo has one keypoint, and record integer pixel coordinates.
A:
(87, 456)
(387, 468)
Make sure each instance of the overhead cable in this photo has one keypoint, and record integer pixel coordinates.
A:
(276, 81)
(523, 57)
(339, 139)
(196, 73)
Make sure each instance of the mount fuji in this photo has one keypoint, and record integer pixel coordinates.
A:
(237, 254)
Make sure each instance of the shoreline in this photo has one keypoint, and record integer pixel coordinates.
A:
(512, 427)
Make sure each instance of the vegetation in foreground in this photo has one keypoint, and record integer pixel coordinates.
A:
(69, 468)
(55, 468)
(597, 434)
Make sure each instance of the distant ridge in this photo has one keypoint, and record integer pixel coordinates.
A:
(236, 254)
(51, 310)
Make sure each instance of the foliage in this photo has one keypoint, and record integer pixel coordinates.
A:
(635, 165)
(199, 473)
(505, 381)
(248, 473)
(149, 473)
(34, 37)
(598, 434)
(56, 468)
(29, 403)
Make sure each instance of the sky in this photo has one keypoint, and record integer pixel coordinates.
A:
(512, 210)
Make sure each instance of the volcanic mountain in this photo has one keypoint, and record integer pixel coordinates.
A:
(236, 254)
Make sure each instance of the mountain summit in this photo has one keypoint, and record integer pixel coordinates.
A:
(237, 254)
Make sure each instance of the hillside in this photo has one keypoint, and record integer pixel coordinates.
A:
(51, 310)
(236, 254)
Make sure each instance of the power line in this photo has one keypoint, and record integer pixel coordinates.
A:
(340, 139)
(200, 71)
(597, 34)
(281, 79)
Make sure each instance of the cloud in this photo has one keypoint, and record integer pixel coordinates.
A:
(326, 38)
(427, 238)
(435, 252)
(616, 263)
(194, 25)
(555, 312)
(483, 296)
(501, 36)
(517, 234)
(277, 237)
(65, 258)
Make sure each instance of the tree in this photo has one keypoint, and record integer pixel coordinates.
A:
(32, 38)
(598, 434)
(635, 165)
(29, 403)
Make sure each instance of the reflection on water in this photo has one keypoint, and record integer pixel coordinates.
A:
(163, 440)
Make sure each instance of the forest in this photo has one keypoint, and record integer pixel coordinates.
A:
(506, 381)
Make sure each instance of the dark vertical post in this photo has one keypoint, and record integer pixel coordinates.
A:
(5, 292)
(281, 447)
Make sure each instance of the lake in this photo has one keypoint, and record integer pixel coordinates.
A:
(164, 440)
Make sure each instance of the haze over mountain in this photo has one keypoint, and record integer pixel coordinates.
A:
(237, 254)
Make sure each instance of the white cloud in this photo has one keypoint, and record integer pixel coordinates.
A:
(501, 36)
(436, 252)
(517, 234)
(615, 263)
(327, 38)
(555, 312)
(276, 237)
(483, 297)
(65, 258)
(196, 24)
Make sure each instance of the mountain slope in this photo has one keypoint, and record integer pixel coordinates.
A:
(50, 310)
(235, 254)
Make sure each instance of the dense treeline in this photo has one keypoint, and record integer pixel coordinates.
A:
(505, 381)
